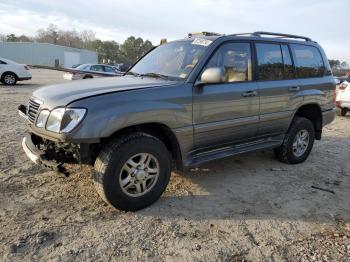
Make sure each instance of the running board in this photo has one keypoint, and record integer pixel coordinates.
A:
(233, 150)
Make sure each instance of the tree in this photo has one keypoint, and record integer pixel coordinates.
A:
(134, 48)
(69, 38)
(48, 35)
(11, 38)
(24, 38)
(87, 37)
(343, 65)
(334, 63)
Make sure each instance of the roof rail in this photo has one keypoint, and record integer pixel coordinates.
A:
(203, 34)
(279, 35)
(259, 33)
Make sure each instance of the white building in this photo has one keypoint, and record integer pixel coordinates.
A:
(44, 54)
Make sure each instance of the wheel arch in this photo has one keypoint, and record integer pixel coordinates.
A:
(6, 72)
(87, 76)
(159, 130)
(313, 112)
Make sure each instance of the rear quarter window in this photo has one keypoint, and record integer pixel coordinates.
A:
(308, 61)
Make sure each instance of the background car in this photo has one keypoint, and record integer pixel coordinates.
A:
(11, 72)
(86, 71)
(343, 97)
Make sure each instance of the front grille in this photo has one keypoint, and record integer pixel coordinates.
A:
(33, 108)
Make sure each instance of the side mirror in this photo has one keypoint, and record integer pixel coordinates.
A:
(212, 75)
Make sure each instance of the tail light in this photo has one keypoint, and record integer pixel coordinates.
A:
(343, 86)
(26, 67)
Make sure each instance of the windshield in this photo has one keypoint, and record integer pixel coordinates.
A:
(173, 61)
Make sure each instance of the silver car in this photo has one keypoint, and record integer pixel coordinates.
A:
(86, 71)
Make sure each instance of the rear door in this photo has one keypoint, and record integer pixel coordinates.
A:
(227, 112)
(280, 92)
(315, 78)
(109, 70)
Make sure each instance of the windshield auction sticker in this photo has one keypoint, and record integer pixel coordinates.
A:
(201, 41)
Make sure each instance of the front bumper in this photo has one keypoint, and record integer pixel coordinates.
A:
(30, 150)
(38, 156)
(52, 155)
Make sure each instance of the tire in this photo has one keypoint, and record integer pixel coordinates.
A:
(343, 112)
(111, 170)
(87, 77)
(9, 79)
(287, 153)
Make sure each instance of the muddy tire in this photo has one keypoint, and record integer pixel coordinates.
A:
(132, 172)
(298, 142)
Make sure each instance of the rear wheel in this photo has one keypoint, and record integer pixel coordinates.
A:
(298, 142)
(131, 173)
(9, 79)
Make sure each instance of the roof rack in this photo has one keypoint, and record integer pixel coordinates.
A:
(203, 34)
(278, 35)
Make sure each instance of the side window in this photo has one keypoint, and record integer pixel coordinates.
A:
(270, 63)
(97, 68)
(308, 62)
(234, 59)
(288, 64)
(2, 62)
(109, 69)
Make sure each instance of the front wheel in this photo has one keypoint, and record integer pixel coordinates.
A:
(298, 142)
(132, 172)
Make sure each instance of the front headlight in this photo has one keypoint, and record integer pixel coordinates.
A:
(71, 118)
(42, 118)
(54, 121)
(62, 120)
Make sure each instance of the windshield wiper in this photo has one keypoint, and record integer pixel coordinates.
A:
(156, 75)
(132, 73)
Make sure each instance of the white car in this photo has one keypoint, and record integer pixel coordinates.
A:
(343, 97)
(11, 72)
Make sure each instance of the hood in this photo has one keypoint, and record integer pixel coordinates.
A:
(63, 94)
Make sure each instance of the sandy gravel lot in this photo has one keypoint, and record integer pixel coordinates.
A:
(247, 208)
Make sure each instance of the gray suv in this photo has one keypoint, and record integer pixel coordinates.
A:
(184, 103)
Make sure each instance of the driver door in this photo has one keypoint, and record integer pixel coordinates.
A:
(227, 112)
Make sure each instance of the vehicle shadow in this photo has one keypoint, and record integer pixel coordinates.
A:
(257, 186)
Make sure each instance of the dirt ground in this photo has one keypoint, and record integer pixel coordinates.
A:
(247, 208)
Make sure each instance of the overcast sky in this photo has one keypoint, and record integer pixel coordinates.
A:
(326, 21)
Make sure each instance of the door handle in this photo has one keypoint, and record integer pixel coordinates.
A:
(250, 93)
(294, 89)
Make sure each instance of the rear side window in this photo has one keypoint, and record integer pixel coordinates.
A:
(109, 69)
(308, 61)
(270, 62)
(2, 62)
(97, 68)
